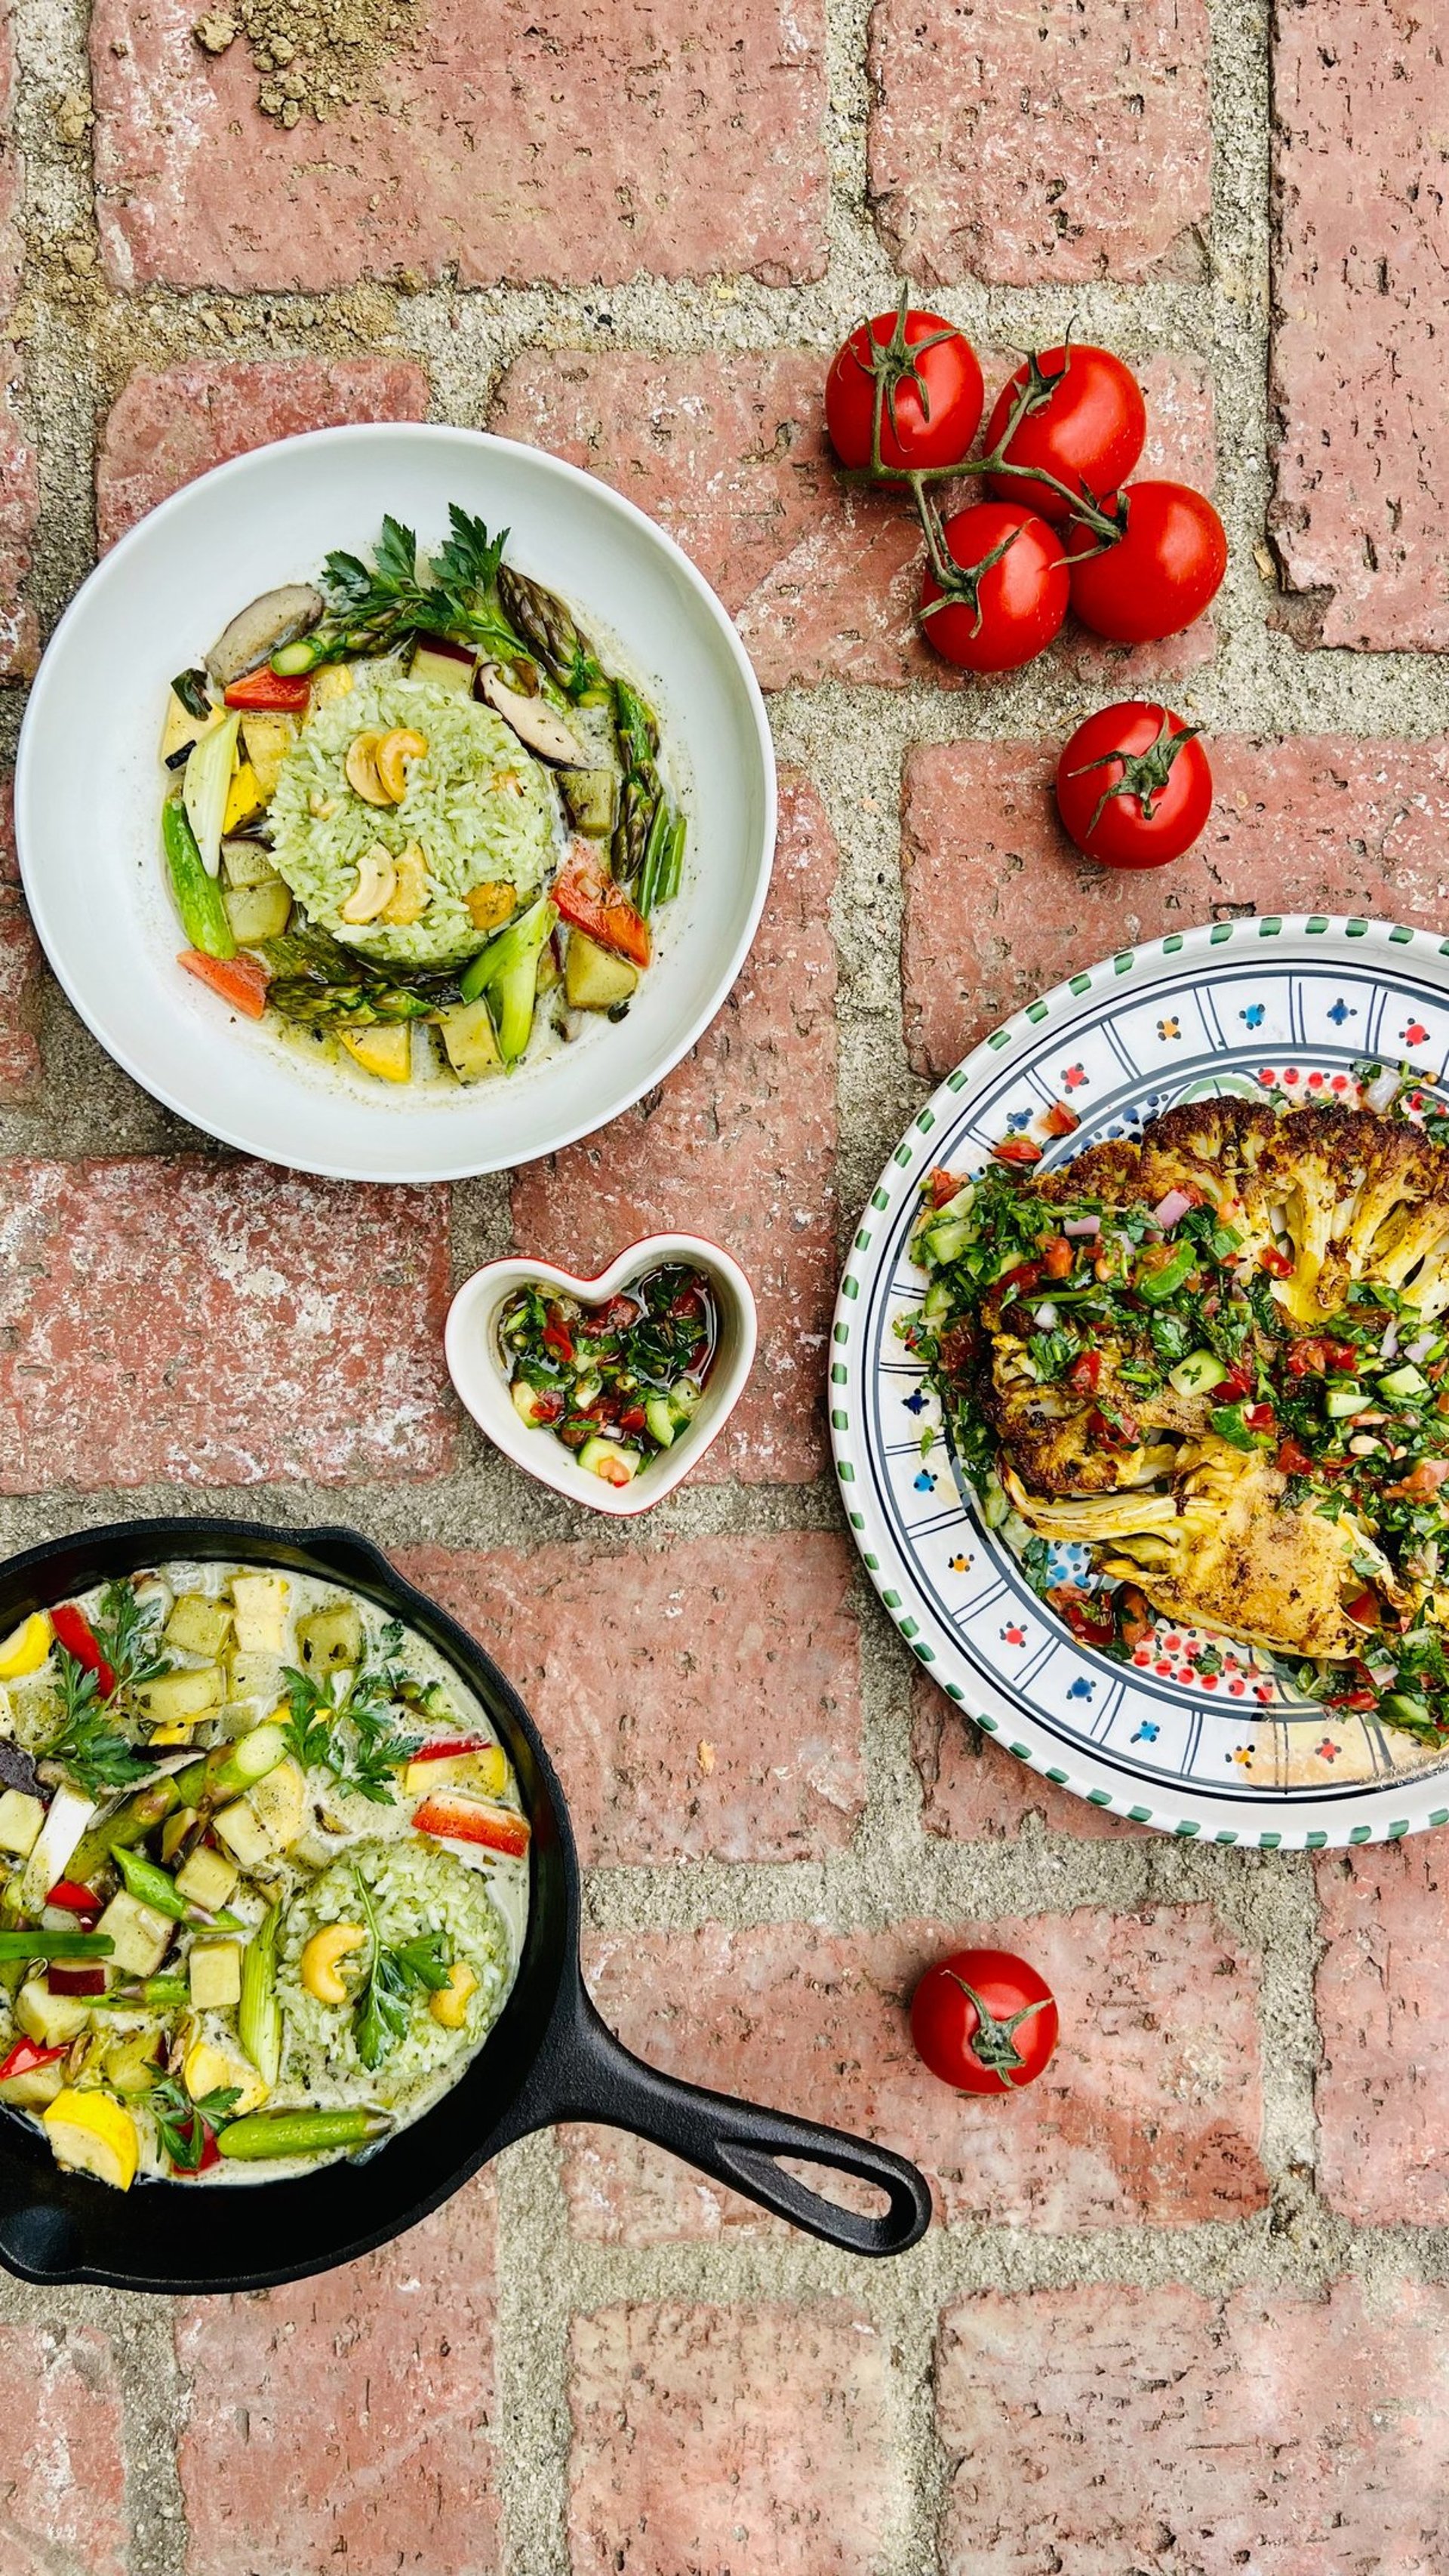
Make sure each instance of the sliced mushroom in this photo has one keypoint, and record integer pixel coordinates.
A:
(376, 885)
(260, 630)
(534, 722)
(360, 768)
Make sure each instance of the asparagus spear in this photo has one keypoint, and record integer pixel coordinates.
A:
(205, 1783)
(299, 2133)
(544, 622)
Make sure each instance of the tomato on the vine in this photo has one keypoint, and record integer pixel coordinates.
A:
(1158, 574)
(1133, 786)
(984, 2021)
(1008, 593)
(1084, 422)
(930, 386)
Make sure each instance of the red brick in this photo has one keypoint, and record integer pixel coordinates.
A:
(166, 428)
(702, 1701)
(20, 972)
(1359, 515)
(1017, 145)
(998, 907)
(729, 452)
(1150, 2110)
(349, 2421)
(1108, 2427)
(214, 1322)
(733, 2440)
(9, 170)
(973, 1790)
(1383, 2085)
(62, 2480)
(740, 1139)
(19, 510)
(537, 145)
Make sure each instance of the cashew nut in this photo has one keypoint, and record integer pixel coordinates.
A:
(376, 885)
(319, 1961)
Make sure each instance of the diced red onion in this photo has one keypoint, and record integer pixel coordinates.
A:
(1420, 1347)
(1045, 1316)
(1389, 1348)
(1169, 1209)
(1382, 1092)
(1081, 1227)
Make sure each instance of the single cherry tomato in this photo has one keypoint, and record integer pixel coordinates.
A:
(1158, 574)
(1083, 421)
(1009, 589)
(1133, 786)
(930, 392)
(984, 2021)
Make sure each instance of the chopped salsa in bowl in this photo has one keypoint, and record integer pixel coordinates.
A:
(616, 1383)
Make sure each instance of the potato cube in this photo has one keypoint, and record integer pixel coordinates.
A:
(331, 1639)
(50, 2020)
(207, 1878)
(261, 1612)
(257, 1678)
(279, 1803)
(198, 1626)
(21, 1818)
(178, 1699)
(141, 1937)
(243, 1832)
(215, 1975)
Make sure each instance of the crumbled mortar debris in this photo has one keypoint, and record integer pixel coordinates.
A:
(313, 57)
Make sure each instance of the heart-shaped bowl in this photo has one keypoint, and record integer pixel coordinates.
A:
(476, 1366)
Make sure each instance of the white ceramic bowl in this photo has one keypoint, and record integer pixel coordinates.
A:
(477, 1371)
(88, 791)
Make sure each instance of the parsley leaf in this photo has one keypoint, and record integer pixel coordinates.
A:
(354, 1736)
(182, 2124)
(92, 1751)
(127, 1632)
(394, 1976)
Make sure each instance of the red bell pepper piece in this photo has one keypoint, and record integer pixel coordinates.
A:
(593, 903)
(446, 1748)
(557, 1338)
(241, 982)
(210, 2153)
(1020, 1281)
(74, 1981)
(267, 692)
(458, 1819)
(73, 1631)
(24, 2058)
(1017, 1149)
(1060, 1120)
(73, 1899)
(1085, 1373)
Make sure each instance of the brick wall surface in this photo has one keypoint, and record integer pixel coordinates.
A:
(1185, 2306)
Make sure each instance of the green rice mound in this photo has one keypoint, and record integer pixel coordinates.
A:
(415, 1889)
(478, 805)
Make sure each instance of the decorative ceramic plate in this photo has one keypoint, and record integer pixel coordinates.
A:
(1194, 1734)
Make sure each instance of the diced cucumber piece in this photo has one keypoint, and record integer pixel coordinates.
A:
(1399, 1709)
(1405, 1381)
(938, 1302)
(945, 1240)
(1342, 1402)
(1199, 1371)
(659, 1415)
(607, 1460)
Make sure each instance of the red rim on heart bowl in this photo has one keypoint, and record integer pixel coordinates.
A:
(476, 1367)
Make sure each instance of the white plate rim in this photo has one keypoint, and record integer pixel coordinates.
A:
(113, 566)
(1361, 1814)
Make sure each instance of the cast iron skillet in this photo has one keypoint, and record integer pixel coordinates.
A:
(549, 2057)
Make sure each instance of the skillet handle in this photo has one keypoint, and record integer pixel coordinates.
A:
(585, 2073)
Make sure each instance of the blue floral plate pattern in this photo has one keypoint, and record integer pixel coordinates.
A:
(1194, 1735)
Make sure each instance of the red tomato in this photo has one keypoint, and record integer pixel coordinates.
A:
(1159, 574)
(1017, 1149)
(1010, 593)
(1084, 422)
(1293, 1459)
(984, 2021)
(1059, 1120)
(1133, 786)
(930, 390)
